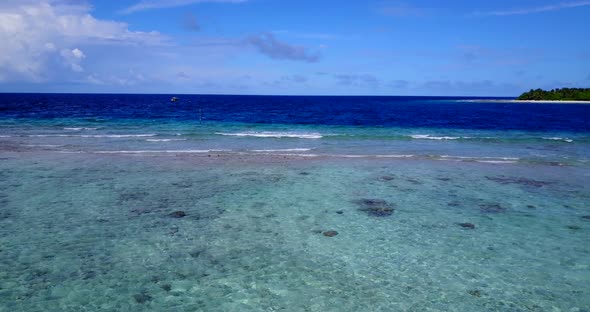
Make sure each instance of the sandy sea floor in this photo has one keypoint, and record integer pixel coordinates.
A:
(88, 232)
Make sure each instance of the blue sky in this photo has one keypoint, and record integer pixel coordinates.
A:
(321, 47)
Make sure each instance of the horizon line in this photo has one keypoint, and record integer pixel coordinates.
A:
(284, 95)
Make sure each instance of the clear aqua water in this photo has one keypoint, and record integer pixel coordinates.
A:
(87, 209)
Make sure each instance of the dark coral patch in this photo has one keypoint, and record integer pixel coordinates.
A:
(330, 233)
(491, 208)
(375, 207)
(475, 293)
(88, 275)
(414, 181)
(467, 225)
(178, 214)
(136, 195)
(142, 298)
(521, 181)
(183, 184)
(5, 215)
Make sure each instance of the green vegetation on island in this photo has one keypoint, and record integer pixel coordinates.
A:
(565, 94)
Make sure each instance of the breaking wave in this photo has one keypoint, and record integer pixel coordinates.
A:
(272, 134)
(164, 140)
(91, 136)
(79, 128)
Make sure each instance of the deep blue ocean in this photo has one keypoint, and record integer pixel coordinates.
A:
(396, 111)
(293, 203)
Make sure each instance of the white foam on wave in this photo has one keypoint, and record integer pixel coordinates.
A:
(369, 156)
(79, 128)
(300, 155)
(118, 136)
(394, 156)
(559, 139)
(497, 161)
(5, 136)
(42, 145)
(476, 158)
(430, 137)
(270, 134)
(163, 151)
(482, 159)
(282, 150)
(91, 136)
(164, 140)
(344, 155)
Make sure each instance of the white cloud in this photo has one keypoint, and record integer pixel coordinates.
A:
(538, 9)
(32, 33)
(77, 53)
(270, 46)
(54, 45)
(73, 58)
(123, 79)
(93, 79)
(50, 46)
(160, 4)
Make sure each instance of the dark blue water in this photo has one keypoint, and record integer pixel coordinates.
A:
(405, 112)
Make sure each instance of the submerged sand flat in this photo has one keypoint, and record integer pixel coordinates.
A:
(105, 232)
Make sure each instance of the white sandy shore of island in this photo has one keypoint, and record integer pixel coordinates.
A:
(526, 101)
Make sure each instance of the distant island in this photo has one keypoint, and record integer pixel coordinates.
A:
(565, 94)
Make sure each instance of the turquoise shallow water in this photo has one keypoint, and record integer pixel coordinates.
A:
(111, 212)
(93, 231)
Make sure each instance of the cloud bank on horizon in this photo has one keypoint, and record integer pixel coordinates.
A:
(293, 47)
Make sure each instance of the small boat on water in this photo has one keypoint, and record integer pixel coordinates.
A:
(174, 99)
